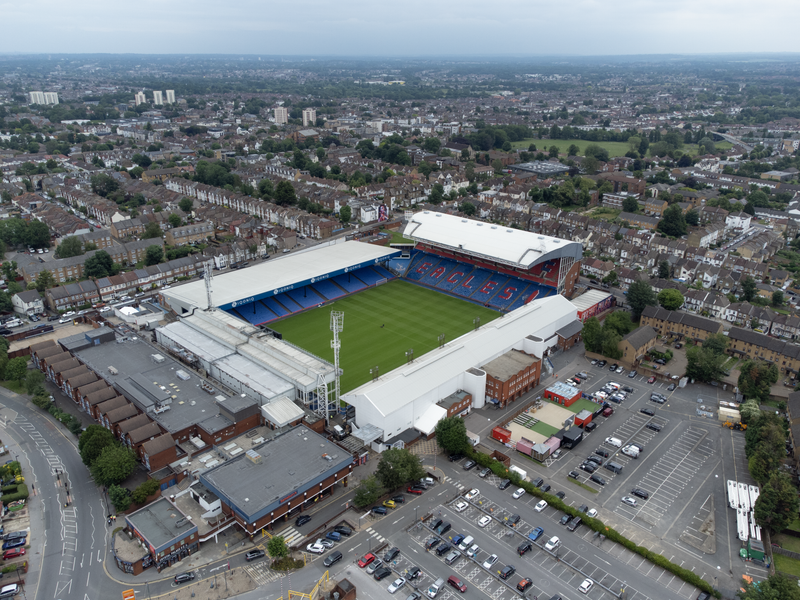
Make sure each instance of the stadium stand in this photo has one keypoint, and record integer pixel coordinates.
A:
(328, 289)
(421, 265)
(486, 292)
(383, 272)
(469, 285)
(454, 277)
(256, 313)
(287, 302)
(273, 305)
(351, 284)
(369, 276)
(305, 297)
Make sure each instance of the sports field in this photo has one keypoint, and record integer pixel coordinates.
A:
(614, 148)
(380, 325)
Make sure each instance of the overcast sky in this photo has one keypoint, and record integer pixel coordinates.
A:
(408, 28)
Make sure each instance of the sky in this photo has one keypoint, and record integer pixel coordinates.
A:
(408, 28)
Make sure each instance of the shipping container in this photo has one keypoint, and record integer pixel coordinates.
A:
(501, 435)
(525, 446)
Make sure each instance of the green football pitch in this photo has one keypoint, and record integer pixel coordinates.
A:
(380, 325)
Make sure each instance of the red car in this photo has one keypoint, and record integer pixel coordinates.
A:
(366, 559)
(415, 490)
(13, 553)
(651, 380)
(456, 583)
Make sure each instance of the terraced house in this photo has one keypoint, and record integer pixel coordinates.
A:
(749, 344)
(683, 325)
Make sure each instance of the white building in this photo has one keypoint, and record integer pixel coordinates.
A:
(281, 115)
(170, 96)
(407, 397)
(43, 98)
(738, 222)
(28, 302)
(140, 98)
(158, 98)
(309, 117)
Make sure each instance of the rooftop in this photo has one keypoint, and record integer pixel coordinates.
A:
(160, 523)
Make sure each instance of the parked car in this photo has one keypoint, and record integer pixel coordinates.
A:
(489, 562)
(399, 499)
(413, 489)
(644, 494)
(456, 583)
(573, 474)
(389, 503)
(396, 585)
(316, 548)
(14, 543)
(391, 554)
(471, 494)
(647, 411)
(183, 577)
(343, 530)
(564, 519)
(484, 521)
(469, 465)
(629, 501)
(382, 573)
(552, 543)
(671, 387)
(597, 479)
(13, 553)
(301, 520)
(518, 493)
(654, 426)
(456, 457)
(540, 506)
(369, 558)
(484, 472)
(507, 571)
(524, 584)
(586, 586)
(523, 548)
(460, 506)
(535, 534)
(503, 485)
(632, 374)
(652, 379)
(379, 510)
(254, 554)
(332, 559)
(613, 367)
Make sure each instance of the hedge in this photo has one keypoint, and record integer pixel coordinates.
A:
(595, 524)
(18, 492)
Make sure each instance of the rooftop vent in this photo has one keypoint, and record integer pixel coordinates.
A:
(113, 370)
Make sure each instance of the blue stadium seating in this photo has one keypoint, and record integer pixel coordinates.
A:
(383, 272)
(484, 295)
(328, 289)
(271, 304)
(368, 275)
(351, 284)
(474, 280)
(290, 304)
(457, 278)
(509, 293)
(439, 272)
(400, 265)
(261, 315)
(305, 297)
(421, 258)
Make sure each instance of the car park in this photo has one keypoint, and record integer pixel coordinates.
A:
(473, 493)
(379, 510)
(552, 543)
(643, 494)
(629, 501)
(368, 558)
(180, 577)
(574, 523)
(460, 506)
(375, 565)
(507, 572)
(396, 585)
(332, 559)
(536, 534)
(586, 586)
(597, 479)
(456, 583)
(484, 521)
(489, 562)
(13, 553)
(382, 573)
(540, 506)
(254, 554)
(399, 499)
(519, 493)
(524, 584)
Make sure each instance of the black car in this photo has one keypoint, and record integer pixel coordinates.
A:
(484, 472)
(456, 457)
(381, 573)
(379, 510)
(602, 452)
(183, 577)
(436, 523)
(301, 520)
(524, 547)
(591, 426)
(648, 411)
(583, 508)
(503, 485)
(627, 388)
(412, 572)
(512, 520)
(654, 426)
(431, 543)
(574, 523)
(565, 519)
(343, 530)
(597, 479)
(595, 459)
(573, 474)
(660, 361)
(507, 571)
(602, 363)
(537, 482)
(399, 499)
(560, 495)
(545, 487)
(613, 367)
(470, 464)
(589, 467)
(391, 554)
(641, 493)
(444, 547)
(254, 554)
(332, 559)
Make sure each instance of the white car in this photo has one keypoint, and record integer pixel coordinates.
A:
(105, 309)
(397, 584)
(586, 586)
(461, 506)
(316, 548)
(518, 494)
(629, 500)
(471, 494)
(592, 512)
(484, 521)
(473, 551)
(552, 543)
(324, 542)
(540, 506)
(489, 562)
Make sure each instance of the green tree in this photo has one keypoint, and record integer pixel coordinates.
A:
(716, 343)
(103, 184)
(69, 246)
(673, 222)
(611, 278)
(664, 269)
(451, 435)
(398, 466)
(276, 547)
(93, 441)
(16, 369)
(777, 298)
(368, 492)
(597, 152)
(37, 234)
(153, 255)
(425, 168)
(573, 150)
(265, 189)
(749, 289)
(44, 280)
(174, 220)
(756, 377)
(640, 294)
(100, 264)
(152, 230)
(749, 411)
(703, 364)
(113, 466)
(345, 214)
(610, 347)
(774, 587)
(432, 145)
(670, 299)
(33, 382)
(9, 269)
(186, 205)
(144, 490)
(592, 334)
(552, 151)
(120, 497)
(284, 193)
(692, 218)
(630, 204)
(468, 208)
(777, 505)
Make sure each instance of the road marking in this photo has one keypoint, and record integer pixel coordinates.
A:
(398, 520)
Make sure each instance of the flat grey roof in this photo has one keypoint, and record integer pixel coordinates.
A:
(149, 384)
(509, 364)
(158, 523)
(290, 464)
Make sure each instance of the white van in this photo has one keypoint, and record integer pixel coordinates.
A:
(631, 451)
(435, 588)
(617, 443)
(466, 542)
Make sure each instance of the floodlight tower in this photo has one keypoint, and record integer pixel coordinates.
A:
(207, 276)
(337, 325)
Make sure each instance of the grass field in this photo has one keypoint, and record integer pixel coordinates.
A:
(380, 325)
(544, 428)
(582, 404)
(614, 148)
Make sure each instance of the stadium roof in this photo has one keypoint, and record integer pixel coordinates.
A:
(589, 299)
(498, 243)
(283, 273)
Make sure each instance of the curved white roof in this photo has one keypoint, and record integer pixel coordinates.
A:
(514, 247)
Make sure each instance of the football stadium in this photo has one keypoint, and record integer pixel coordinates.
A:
(414, 327)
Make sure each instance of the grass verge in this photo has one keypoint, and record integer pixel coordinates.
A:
(787, 565)
(588, 488)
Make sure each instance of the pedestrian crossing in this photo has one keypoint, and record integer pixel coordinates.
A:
(290, 535)
(375, 534)
(452, 481)
(261, 573)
